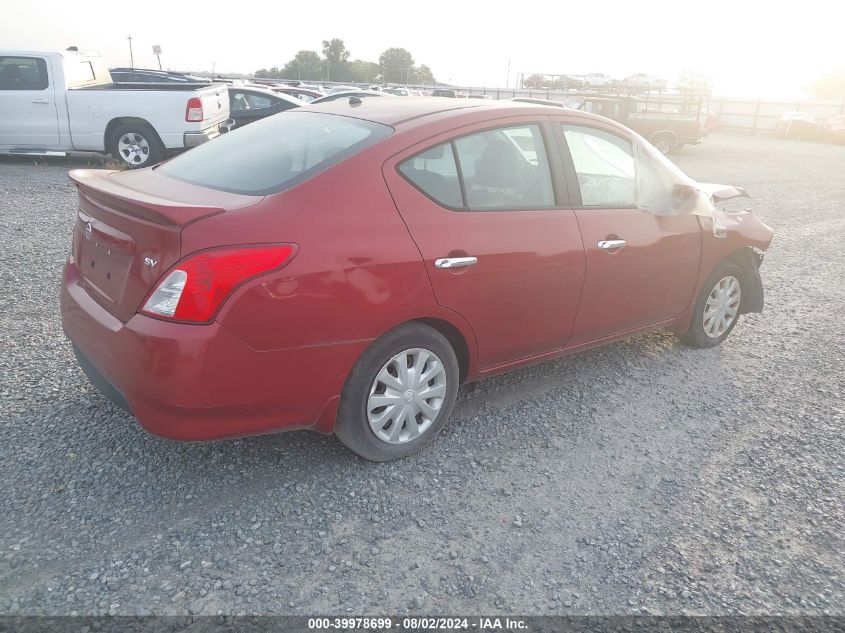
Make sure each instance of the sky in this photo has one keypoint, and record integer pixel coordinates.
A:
(748, 48)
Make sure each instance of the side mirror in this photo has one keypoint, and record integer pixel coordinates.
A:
(684, 199)
(228, 125)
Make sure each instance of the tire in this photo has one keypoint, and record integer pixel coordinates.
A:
(698, 335)
(664, 142)
(136, 145)
(359, 417)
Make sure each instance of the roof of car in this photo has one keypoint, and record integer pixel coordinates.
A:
(395, 111)
(281, 96)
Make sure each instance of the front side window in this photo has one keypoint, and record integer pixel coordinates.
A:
(505, 168)
(275, 153)
(23, 73)
(605, 166)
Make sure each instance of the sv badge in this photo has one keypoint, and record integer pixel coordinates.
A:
(149, 262)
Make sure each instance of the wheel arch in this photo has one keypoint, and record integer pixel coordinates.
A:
(116, 122)
(456, 339)
(670, 134)
(749, 261)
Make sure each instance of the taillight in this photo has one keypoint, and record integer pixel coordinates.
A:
(193, 113)
(197, 286)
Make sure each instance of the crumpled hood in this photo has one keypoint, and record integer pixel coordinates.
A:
(722, 192)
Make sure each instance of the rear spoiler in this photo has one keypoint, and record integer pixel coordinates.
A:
(98, 186)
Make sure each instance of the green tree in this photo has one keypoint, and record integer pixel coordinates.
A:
(397, 66)
(690, 79)
(337, 59)
(304, 65)
(423, 75)
(829, 86)
(272, 73)
(533, 81)
(363, 72)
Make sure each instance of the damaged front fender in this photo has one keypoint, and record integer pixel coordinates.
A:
(749, 260)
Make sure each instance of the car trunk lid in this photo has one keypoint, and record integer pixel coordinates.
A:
(128, 231)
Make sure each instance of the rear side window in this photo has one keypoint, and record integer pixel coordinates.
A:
(435, 173)
(499, 169)
(275, 153)
(23, 73)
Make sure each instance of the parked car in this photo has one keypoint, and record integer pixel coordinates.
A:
(144, 75)
(60, 102)
(548, 102)
(251, 104)
(644, 81)
(479, 96)
(335, 89)
(397, 91)
(350, 93)
(836, 129)
(444, 92)
(667, 131)
(305, 94)
(799, 126)
(595, 80)
(340, 267)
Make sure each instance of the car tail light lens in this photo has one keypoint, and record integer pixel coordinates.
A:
(193, 113)
(196, 287)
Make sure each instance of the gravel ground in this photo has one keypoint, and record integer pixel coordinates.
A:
(643, 477)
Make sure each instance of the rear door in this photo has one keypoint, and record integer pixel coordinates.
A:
(27, 103)
(641, 268)
(500, 245)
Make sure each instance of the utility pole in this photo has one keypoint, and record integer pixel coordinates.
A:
(508, 76)
(213, 66)
(131, 56)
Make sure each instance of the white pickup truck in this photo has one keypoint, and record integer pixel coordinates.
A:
(54, 103)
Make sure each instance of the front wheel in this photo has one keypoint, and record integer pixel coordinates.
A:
(399, 395)
(136, 145)
(716, 308)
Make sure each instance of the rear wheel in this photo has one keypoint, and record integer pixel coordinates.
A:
(136, 145)
(716, 308)
(399, 395)
(664, 142)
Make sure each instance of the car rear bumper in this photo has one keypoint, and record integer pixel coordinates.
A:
(201, 382)
(192, 139)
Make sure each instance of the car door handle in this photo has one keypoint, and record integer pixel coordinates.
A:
(611, 245)
(43, 101)
(455, 262)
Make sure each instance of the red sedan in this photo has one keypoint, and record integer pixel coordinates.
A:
(346, 268)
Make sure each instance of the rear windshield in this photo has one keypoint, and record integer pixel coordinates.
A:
(275, 153)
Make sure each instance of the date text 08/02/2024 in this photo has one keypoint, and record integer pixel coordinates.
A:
(416, 624)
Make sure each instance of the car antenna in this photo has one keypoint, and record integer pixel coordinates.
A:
(354, 101)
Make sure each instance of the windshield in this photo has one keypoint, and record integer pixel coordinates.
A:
(275, 153)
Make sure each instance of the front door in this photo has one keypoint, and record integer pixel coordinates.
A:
(499, 245)
(27, 102)
(641, 268)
